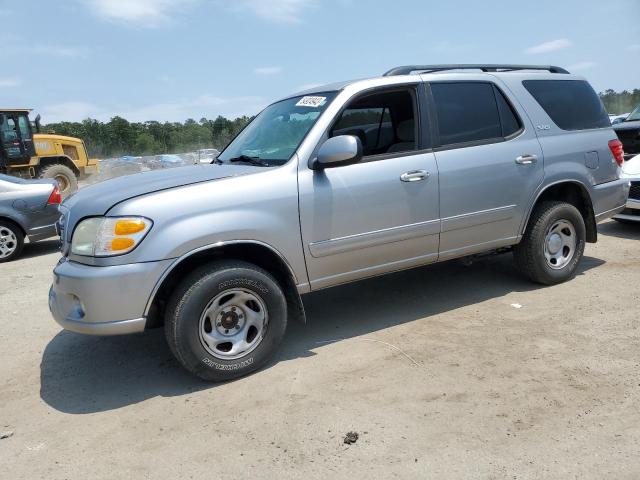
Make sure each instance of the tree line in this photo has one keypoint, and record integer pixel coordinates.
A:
(120, 137)
(620, 102)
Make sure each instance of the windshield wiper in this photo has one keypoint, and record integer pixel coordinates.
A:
(248, 159)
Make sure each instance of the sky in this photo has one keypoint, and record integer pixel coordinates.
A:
(169, 60)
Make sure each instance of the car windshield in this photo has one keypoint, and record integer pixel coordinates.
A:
(635, 115)
(277, 132)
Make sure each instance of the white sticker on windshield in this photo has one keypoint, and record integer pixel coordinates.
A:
(312, 102)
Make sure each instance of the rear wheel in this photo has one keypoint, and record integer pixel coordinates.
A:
(553, 244)
(66, 178)
(11, 241)
(226, 320)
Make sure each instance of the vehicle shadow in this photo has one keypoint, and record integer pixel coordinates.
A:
(81, 374)
(628, 231)
(43, 247)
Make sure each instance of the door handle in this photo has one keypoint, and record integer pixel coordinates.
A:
(414, 176)
(526, 159)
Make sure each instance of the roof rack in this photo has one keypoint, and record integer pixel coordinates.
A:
(407, 69)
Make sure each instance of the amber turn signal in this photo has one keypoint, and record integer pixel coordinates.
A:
(129, 226)
(123, 243)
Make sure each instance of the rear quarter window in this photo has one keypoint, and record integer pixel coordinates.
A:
(571, 104)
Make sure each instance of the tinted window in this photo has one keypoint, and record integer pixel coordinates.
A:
(467, 112)
(510, 122)
(571, 104)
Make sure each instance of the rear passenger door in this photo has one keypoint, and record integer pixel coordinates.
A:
(490, 164)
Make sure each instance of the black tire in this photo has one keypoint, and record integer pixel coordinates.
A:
(529, 254)
(16, 245)
(67, 180)
(195, 293)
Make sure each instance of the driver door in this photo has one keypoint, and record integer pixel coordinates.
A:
(381, 214)
(13, 147)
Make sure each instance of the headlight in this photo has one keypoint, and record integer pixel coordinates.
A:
(108, 236)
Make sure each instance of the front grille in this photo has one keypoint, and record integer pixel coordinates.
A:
(71, 152)
(634, 192)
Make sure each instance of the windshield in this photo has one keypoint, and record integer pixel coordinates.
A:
(635, 115)
(277, 132)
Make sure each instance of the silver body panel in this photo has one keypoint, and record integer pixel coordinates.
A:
(339, 224)
(24, 202)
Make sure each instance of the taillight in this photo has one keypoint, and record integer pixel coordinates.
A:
(618, 151)
(55, 198)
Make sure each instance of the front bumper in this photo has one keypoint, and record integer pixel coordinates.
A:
(103, 300)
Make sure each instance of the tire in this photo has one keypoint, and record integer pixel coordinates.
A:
(67, 180)
(219, 302)
(553, 244)
(11, 241)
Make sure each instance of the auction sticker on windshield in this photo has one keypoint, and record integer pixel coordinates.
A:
(312, 102)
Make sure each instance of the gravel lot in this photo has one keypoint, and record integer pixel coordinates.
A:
(435, 369)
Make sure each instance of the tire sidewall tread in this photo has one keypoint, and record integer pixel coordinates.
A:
(185, 308)
(529, 254)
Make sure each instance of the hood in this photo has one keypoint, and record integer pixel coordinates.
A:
(632, 125)
(98, 199)
(631, 168)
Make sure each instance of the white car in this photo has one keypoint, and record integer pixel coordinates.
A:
(631, 170)
(615, 119)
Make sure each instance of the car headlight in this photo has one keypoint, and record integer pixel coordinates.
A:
(109, 236)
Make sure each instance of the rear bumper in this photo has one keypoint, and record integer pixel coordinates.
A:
(103, 300)
(40, 233)
(610, 198)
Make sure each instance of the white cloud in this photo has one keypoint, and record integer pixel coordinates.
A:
(267, 70)
(550, 46)
(148, 13)
(634, 48)
(57, 51)
(9, 82)
(283, 11)
(581, 66)
(209, 106)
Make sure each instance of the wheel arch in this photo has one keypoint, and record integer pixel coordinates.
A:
(575, 193)
(253, 251)
(5, 218)
(59, 159)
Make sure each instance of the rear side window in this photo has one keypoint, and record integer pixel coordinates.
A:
(571, 104)
(472, 112)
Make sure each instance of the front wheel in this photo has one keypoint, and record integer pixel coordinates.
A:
(226, 320)
(553, 244)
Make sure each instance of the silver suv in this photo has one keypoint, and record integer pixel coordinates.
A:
(424, 164)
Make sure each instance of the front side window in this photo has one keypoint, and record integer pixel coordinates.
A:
(276, 133)
(385, 122)
(571, 104)
(467, 112)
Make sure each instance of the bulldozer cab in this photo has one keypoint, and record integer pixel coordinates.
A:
(16, 137)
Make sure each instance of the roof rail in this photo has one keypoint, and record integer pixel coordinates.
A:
(407, 69)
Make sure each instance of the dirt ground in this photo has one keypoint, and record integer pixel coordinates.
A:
(436, 370)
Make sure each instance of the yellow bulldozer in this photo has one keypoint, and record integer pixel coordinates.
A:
(28, 154)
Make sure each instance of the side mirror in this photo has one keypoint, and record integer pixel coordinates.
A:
(337, 152)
